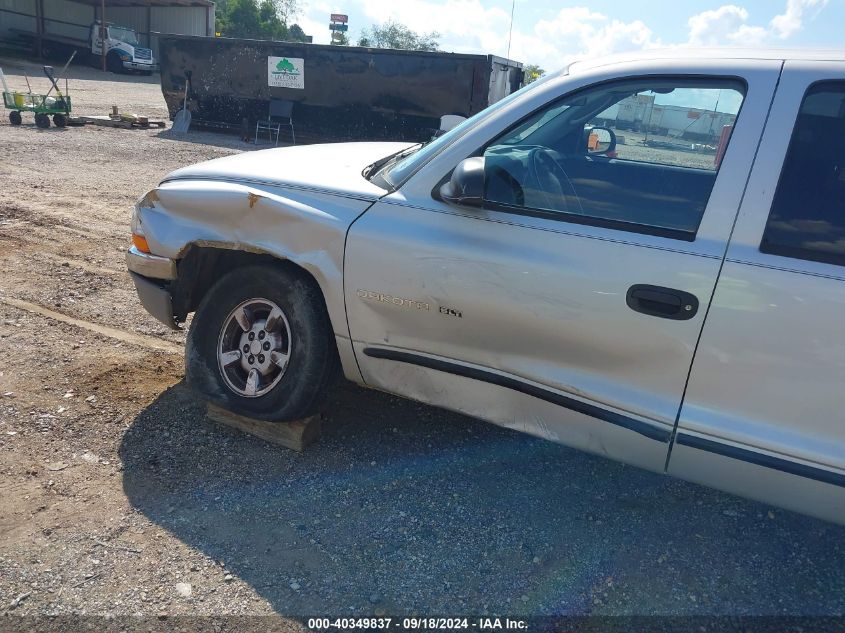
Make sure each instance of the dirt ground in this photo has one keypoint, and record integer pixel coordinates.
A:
(118, 497)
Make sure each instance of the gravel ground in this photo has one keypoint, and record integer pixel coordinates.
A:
(117, 496)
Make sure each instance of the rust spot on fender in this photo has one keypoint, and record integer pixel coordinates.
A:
(253, 198)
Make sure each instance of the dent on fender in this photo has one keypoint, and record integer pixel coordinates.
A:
(304, 227)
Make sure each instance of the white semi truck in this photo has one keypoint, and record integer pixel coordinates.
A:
(124, 52)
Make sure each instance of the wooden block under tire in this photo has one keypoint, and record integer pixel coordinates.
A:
(295, 435)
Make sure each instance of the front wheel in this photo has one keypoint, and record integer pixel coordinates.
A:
(261, 344)
(113, 63)
(15, 118)
(59, 120)
(42, 121)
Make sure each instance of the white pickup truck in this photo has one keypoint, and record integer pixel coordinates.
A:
(642, 257)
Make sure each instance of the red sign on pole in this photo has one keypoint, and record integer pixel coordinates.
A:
(340, 17)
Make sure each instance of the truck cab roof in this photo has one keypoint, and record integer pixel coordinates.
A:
(681, 55)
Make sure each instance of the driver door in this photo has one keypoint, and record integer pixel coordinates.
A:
(97, 39)
(570, 303)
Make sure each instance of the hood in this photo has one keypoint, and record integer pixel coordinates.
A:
(331, 168)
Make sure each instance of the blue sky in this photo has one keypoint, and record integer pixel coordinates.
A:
(553, 33)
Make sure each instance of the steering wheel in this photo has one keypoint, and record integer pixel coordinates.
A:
(553, 183)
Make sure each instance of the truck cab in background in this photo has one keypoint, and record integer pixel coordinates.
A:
(123, 50)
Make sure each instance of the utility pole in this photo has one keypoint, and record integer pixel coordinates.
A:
(39, 27)
(648, 120)
(103, 32)
(510, 30)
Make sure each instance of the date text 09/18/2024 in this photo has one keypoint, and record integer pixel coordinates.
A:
(418, 623)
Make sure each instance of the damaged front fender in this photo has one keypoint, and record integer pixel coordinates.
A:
(306, 228)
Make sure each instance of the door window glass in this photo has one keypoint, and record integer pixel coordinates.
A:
(807, 220)
(638, 155)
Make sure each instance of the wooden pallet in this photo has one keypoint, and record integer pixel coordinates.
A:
(295, 435)
(107, 121)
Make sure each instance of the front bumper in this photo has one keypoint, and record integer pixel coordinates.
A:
(148, 265)
(151, 275)
(130, 65)
(155, 299)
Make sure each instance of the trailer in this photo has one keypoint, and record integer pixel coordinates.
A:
(641, 113)
(339, 92)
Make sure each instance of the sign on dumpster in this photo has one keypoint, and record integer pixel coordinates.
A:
(286, 72)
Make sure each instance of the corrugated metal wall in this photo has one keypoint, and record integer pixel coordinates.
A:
(177, 20)
(133, 17)
(58, 13)
(14, 21)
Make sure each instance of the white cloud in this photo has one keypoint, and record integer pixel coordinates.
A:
(314, 20)
(577, 33)
(790, 22)
(713, 27)
(453, 19)
(570, 33)
(468, 26)
(582, 33)
(729, 24)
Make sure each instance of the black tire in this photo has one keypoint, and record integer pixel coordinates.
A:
(15, 118)
(113, 63)
(313, 364)
(42, 121)
(59, 120)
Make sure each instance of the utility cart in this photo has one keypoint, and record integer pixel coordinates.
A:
(42, 106)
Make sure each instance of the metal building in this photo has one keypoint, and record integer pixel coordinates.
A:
(73, 18)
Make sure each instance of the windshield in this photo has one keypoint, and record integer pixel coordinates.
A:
(123, 34)
(395, 173)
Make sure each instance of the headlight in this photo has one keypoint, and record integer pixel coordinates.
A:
(146, 202)
(135, 224)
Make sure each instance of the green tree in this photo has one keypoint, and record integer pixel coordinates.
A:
(271, 24)
(241, 19)
(288, 10)
(340, 39)
(259, 19)
(296, 34)
(532, 73)
(396, 35)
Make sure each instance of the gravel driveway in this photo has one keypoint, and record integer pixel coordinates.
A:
(118, 497)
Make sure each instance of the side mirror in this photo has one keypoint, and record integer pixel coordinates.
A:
(466, 186)
(600, 141)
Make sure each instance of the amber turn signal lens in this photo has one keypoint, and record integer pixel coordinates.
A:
(140, 242)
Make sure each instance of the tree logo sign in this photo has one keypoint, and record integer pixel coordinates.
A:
(286, 72)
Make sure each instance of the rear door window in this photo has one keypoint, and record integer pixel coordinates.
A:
(807, 219)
